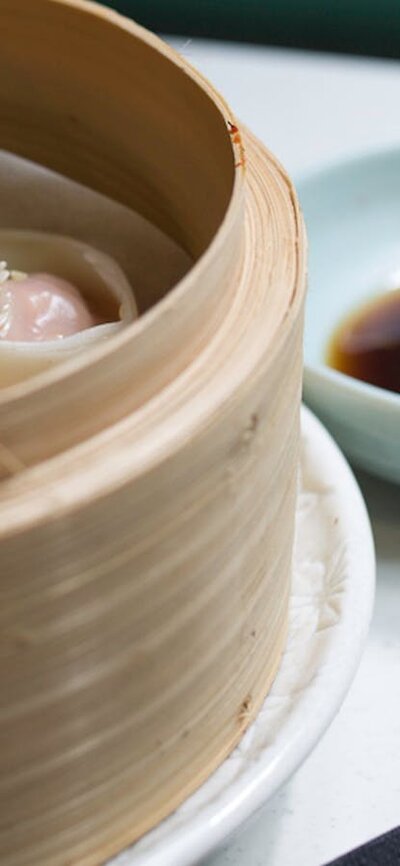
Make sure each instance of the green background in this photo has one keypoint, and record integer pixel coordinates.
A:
(354, 26)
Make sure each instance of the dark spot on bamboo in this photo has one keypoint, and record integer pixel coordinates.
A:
(245, 710)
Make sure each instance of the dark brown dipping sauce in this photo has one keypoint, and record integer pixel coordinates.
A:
(366, 344)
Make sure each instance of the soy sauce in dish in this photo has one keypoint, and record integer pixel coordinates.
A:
(366, 344)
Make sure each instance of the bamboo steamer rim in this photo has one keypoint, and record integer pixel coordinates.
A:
(70, 478)
(52, 398)
(82, 362)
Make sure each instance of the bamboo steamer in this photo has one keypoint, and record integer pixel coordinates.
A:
(148, 486)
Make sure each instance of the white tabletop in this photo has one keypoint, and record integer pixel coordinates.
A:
(309, 109)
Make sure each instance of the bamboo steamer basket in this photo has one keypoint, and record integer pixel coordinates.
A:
(148, 486)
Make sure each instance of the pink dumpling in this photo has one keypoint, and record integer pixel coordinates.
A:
(42, 307)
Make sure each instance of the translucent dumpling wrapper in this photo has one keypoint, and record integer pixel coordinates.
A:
(97, 277)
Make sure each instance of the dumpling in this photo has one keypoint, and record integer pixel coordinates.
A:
(57, 297)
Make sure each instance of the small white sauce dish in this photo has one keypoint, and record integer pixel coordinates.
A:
(352, 214)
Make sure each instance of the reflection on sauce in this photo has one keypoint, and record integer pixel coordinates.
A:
(366, 344)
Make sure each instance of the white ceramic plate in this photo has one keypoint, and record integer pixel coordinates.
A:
(331, 606)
